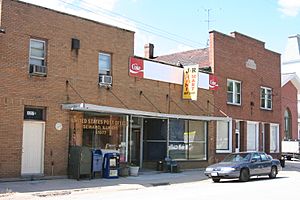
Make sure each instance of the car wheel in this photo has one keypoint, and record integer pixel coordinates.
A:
(273, 172)
(244, 175)
(216, 180)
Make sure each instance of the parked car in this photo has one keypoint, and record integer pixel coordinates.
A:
(243, 165)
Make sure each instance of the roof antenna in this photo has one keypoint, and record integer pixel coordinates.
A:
(208, 23)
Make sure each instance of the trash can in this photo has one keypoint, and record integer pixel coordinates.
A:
(97, 162)
(111, 163)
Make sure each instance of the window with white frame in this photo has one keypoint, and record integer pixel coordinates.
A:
(266, 98)
(104, 64)
(37, 56)
(37, 52)
(252, 136)
(274, 138)
(223, 140)
(233, 92)
(104, 69)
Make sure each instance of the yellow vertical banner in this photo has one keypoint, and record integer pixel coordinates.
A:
(190, 82)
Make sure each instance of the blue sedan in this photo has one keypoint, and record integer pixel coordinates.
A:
(243, 165)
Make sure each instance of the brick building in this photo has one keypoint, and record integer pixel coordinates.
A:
(290, 84)
(291, 63)
(249, 91)
(67, 84)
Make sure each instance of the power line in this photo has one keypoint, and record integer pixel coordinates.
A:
(142, 23)
(109, 14)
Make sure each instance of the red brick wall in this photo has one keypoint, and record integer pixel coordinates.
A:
(19, 89)
(228, 56)
(289, 100)
(0, 11)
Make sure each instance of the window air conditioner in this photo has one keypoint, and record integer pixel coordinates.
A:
(105, 80)
(38, 70)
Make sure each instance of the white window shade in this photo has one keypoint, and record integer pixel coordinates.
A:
(222, 135)
(274, 138)
(252, 136)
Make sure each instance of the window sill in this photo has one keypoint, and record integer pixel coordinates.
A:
(224, 151)
(266, 109)
(38, 74)
(233, 104)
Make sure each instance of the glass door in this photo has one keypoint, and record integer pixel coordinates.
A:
(135, 138)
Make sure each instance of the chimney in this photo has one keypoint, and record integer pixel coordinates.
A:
(148, 51)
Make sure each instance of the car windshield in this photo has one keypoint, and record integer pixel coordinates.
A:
(237, 157)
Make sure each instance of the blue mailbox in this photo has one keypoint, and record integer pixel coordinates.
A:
(97, 161)
(111, 164)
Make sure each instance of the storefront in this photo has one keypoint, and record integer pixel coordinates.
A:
(141, 138)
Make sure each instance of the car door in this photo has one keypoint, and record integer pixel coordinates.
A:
(256, 164)
(266, 163)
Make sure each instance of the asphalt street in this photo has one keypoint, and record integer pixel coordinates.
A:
(185, 185)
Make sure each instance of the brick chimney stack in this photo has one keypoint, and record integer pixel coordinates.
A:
(148, 51)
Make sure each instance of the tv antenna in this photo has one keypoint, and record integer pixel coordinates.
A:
(208, 18)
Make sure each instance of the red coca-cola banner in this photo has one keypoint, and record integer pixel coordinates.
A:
(213, 82)
(136, 67)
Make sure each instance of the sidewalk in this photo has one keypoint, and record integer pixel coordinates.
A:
(145, 179)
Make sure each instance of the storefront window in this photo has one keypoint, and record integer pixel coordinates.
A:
(187, 139)
(177, 144)
(100, 132)
(197, 140)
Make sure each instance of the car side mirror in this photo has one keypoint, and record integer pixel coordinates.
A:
(254, 160)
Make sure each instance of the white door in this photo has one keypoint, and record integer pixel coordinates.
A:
(33, 148)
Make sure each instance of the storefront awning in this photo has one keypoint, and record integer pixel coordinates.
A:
(82, 107)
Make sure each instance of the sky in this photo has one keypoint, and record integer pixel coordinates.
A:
(180, 25)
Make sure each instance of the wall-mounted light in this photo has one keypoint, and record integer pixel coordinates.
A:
(2, 30)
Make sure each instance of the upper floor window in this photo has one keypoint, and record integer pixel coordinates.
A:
(233, 92)
(37, 57)
(104, 66)
(266, 98)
